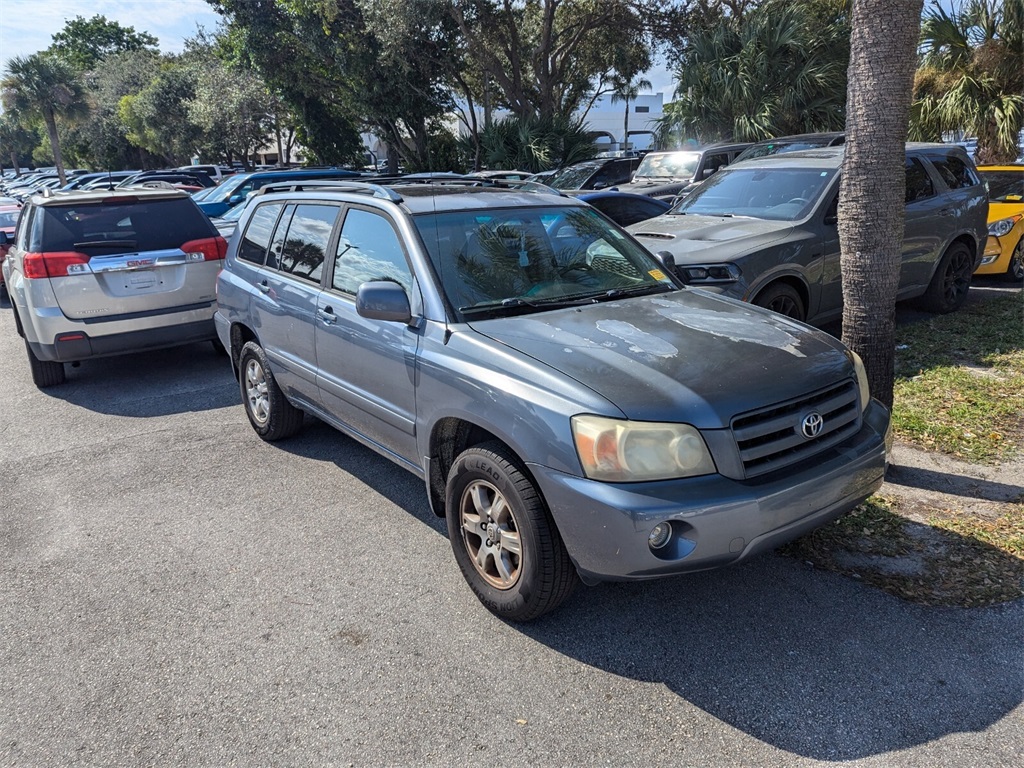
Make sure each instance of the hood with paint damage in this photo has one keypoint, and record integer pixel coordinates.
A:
(685, 356)
(696, 239)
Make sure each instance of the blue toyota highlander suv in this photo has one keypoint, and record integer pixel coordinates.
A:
(574, 411)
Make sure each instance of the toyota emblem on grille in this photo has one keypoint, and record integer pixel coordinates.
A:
(812, 424)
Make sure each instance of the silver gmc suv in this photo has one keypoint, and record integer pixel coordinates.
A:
(573, 410)
(100, 273)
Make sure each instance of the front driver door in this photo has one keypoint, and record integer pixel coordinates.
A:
(367, 368)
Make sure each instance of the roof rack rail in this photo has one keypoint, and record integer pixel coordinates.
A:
(474, 181)
(375, 190)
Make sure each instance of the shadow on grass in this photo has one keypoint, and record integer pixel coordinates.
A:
(806, 661)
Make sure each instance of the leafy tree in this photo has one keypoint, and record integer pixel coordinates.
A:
(84, 42)
(544, 56)
(16, 142)
(156, 116)
(101, 141)
(871, 193)
(778, 69)
(44, 87)
(232, 110)
(971, 77)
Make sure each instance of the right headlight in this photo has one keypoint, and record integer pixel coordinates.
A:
(862, 378)
(704, 274)
(616, 450)
(1003, 226)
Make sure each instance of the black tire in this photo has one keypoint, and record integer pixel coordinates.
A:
(269, 412)
(488, 495)
(952, 279)
(1015, 269)
(45, 373)
(784, 299)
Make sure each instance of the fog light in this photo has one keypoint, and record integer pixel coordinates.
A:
(660, 535)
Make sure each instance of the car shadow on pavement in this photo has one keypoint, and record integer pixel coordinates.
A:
(806, 661)
(183, 379)
(957, 485)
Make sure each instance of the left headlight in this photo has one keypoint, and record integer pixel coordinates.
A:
(701, 274)
(616, 450)
(1003, 226)
(862, 378)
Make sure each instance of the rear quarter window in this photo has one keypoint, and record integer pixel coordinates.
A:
(954, 171)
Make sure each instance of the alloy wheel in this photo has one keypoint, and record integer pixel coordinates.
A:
(256, 392)
(491, 535)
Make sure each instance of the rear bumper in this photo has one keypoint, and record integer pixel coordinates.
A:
(715, 520)
(78, 345)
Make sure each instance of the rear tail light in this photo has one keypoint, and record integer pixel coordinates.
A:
(209, 248)
(57, 264)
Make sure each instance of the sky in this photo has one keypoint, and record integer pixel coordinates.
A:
(28, 26)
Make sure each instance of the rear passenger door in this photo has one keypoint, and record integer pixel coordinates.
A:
(284, 305)
(368, 367)
(928, 215)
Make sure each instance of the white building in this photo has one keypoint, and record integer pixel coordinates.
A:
(608, 121)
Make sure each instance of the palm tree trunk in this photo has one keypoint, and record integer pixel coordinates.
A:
(871, 199)
(625, 127)
(51, 130)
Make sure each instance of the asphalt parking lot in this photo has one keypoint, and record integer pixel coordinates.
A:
(173, 591)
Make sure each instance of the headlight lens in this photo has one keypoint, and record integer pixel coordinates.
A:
(862, 378)
(1003, 226)
(709, 273)
(615, 450)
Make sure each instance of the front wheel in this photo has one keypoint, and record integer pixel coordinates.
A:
(948, 289)
(503, 538)
(269, 412)
(784, 299)
(1015, 270)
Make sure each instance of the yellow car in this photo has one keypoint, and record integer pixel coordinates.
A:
(1004, 250)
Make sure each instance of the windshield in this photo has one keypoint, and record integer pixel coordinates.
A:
(573, 177)
(1004, 186)
(226, 188)
(501, 261)
(782, 194)
(668, 165)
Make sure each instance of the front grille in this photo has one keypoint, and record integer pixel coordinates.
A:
(772, 438)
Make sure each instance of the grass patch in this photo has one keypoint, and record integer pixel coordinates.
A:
(949, 558)
(960, 381)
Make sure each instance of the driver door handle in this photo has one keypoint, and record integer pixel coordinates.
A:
(327, 315)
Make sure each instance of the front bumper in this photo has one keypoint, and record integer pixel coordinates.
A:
(715, 520)
(996, 257)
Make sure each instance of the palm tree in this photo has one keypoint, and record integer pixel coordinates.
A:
(970, 77)
(626, 88)
(871, 192)
(44, 86)
(779, 68)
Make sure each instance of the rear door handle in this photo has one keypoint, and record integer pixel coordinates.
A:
(947, 212)
(327, 315)
(264, 287)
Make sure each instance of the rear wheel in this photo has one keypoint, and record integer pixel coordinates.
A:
(45, 373)
(784, 299)
(269, 412)
(948, 289)
(503, 538)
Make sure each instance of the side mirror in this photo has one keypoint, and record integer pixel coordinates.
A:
(599, 185)
(4, 239)
(235, 199)
(668, 263)
(383, 300)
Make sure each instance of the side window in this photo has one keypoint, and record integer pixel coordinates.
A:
(305, 246)
(368, 249)
(919, 183)
(277, 244)
(713, 162)
(954, 171)
(24, 225)
(255, 241)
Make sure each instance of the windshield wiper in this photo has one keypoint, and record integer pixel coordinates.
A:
(636, 290)
(517, 302)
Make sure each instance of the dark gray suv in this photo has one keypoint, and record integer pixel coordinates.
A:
(573, 410)
(765, 230)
